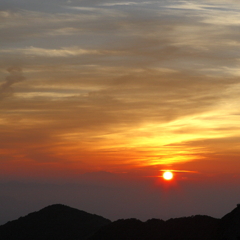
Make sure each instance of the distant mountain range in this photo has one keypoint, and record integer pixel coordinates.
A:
(60, 222)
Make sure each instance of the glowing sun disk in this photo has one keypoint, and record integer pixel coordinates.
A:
(167, 175)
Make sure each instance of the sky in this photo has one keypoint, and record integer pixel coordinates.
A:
(99, 97)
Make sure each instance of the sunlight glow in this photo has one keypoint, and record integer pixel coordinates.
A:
(168, 175)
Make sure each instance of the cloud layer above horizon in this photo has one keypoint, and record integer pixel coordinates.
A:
(114, 85)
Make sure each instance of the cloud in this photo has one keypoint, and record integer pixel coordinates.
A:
(15, 76)
(126, 120)
(125, 4)
(64, 52)
(132, 80)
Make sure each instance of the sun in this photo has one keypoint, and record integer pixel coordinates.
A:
(167, 175)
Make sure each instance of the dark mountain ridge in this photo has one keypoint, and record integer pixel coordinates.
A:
(57, 221)
(194, 228)
(60, 222)
(230, 225)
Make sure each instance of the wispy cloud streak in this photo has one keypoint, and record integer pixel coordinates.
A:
(15, 76)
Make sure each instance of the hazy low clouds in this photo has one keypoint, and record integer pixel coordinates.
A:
(110, 196)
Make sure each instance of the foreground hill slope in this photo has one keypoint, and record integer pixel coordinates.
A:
(230, 225)
(53, 222)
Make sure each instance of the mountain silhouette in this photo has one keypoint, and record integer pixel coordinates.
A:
(60, 222)
(230, 225)
(186, 228)
(55, 222)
